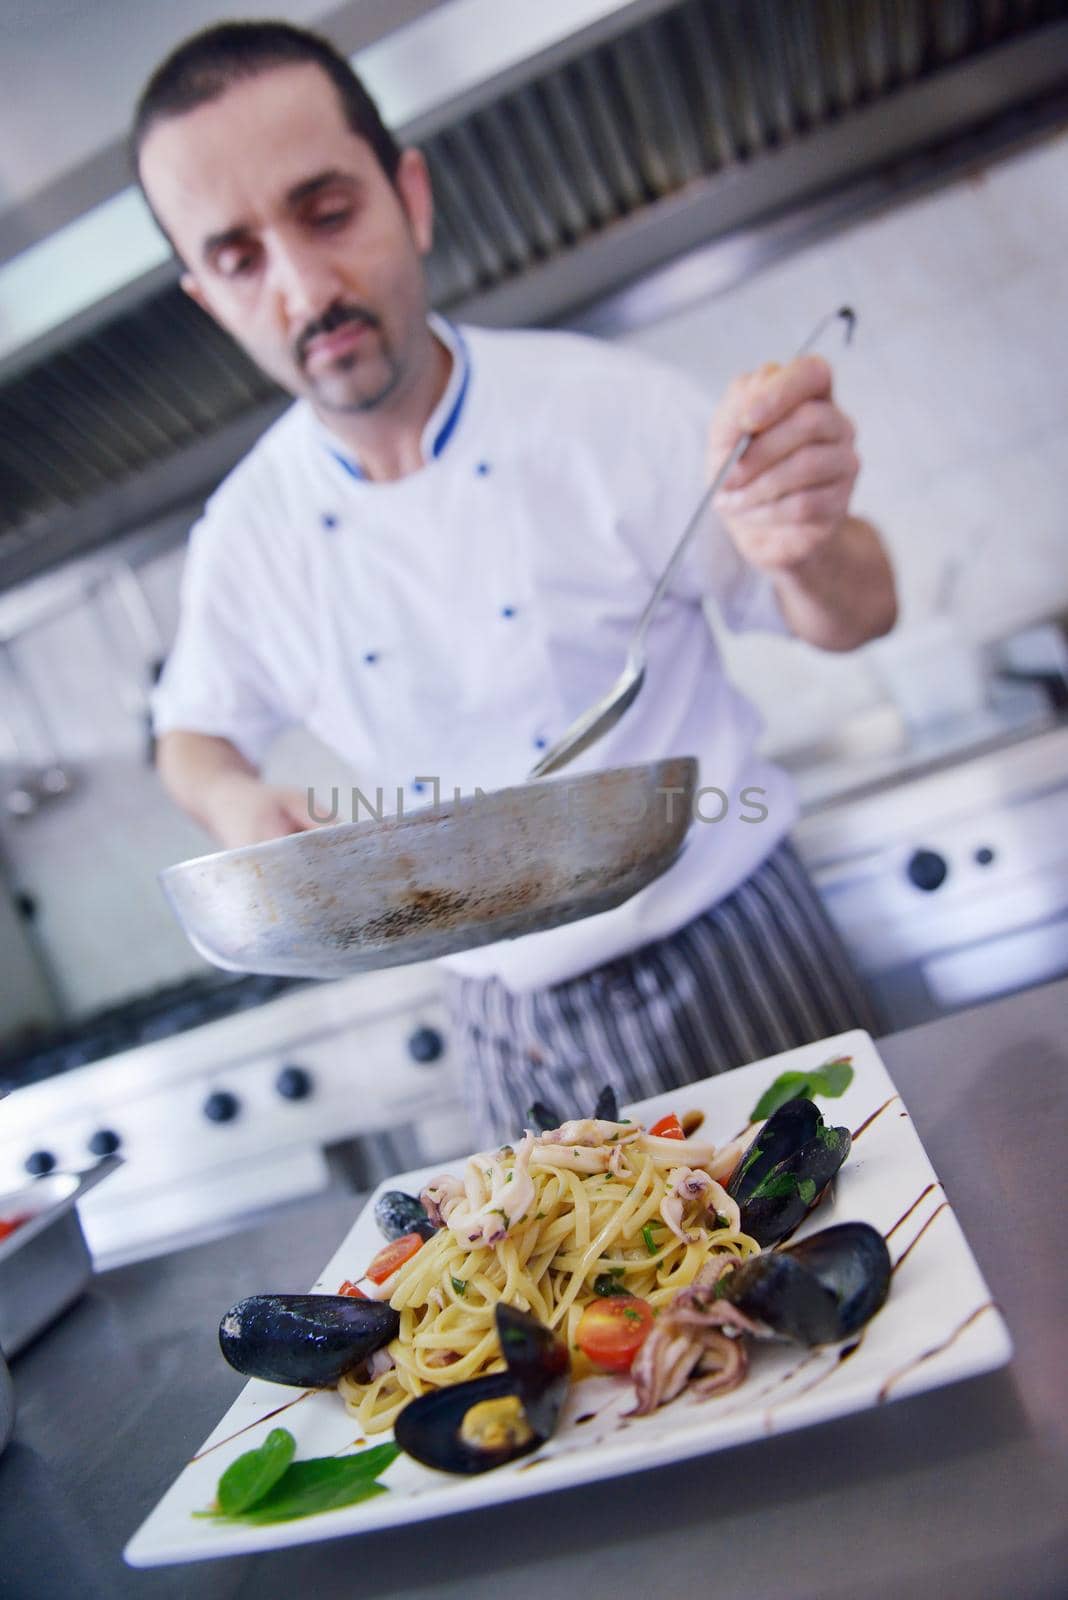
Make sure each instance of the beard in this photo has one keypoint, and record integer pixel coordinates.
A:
(360, 380)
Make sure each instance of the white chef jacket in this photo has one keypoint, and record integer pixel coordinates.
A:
(453, 623)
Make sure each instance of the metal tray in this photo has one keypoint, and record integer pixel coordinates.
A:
(45, 1264)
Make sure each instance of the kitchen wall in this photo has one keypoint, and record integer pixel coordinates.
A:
(957, 382)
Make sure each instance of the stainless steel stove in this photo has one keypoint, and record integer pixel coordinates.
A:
(226, 1096)
(950, 885)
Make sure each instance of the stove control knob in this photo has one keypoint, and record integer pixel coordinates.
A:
(105, 1142)
(40, 1162)
(294, 1083)
(927, 869)
(425, 1045)
(221, 1106)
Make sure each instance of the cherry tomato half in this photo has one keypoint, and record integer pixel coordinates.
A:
(8, 1227)
(612, 1331)
(394, 1255)
(668, 1127)
(353, 1289)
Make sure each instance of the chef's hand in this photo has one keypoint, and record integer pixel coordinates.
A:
(788, 497)
(241, 809)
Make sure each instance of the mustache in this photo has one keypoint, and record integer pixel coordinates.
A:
(334, 317)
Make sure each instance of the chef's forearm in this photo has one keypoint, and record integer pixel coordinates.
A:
(196, 769)
(843, 594)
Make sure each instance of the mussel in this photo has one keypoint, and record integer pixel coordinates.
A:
(607, 1107)
(485, 1422)
(308, 1340)
(817, 1291)
(541, 1117)
(786, 1169)
(398, 1213)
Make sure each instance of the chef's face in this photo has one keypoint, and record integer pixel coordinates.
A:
(293, 237)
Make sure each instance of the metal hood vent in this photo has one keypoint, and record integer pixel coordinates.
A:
(701, 119)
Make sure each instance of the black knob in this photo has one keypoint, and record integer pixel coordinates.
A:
(927, 869)
(294, 1083)
(221, 1106)
(984, 856)
(104, 1142)
(40, 1162)
(425, 1045)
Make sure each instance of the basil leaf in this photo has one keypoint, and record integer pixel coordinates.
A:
(303, 1488)
(836, 1077)
(252, 1475)
(308, 1487)
(831, 1080)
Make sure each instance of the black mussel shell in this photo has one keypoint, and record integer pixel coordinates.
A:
(538, 1375)
(398, 1213)
(607, 1107)
(794, 1124)
(429, 1428)
(817, 1291)
(541, 1117)
(538, 1364)
(786, 1169)
(307, 1340)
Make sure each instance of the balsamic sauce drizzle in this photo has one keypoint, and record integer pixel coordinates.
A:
(267, 1415)
(909, 1248)
(869, 1120)
(936, 1350)
(906, 1214)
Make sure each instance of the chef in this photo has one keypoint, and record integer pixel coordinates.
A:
(435, 558)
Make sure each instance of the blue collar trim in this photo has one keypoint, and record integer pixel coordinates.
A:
(448, 427)
(452, 337)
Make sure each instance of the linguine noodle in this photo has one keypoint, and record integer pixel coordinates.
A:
(534, 1225)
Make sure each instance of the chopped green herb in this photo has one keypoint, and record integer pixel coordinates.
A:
(509, 1176)
(831, 1080)
(722, 1221)
(806, 1188)
(647, 1235)
(617, 1272)
(630, 1315)
(607, 1284)
(751, 1155)
(260, 1493)
(459, 1285)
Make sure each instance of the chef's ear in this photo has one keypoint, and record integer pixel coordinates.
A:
(412, 182)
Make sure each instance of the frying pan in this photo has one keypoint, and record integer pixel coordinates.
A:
(360, 895)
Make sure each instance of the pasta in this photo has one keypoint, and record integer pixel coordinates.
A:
(535, 1225)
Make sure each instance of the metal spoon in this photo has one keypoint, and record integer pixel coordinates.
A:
(606, 712)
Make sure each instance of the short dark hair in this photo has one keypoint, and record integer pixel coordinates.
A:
(205, 66)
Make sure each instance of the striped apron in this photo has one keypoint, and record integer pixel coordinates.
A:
(759, 972)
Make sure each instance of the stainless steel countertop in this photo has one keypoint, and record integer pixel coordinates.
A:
(961, 1493)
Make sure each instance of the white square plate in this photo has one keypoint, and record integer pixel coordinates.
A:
(939, 1325)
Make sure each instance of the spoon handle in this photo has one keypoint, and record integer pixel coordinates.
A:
(737, 451)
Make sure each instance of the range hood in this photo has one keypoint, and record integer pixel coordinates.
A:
(575, 147)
